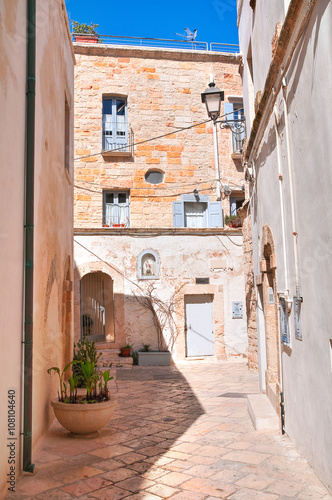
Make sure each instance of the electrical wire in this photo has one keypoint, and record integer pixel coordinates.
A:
(154, 138)
(107, 263)
(170, 185)
(147, 195)
(128, 146)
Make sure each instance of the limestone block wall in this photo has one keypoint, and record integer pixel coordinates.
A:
(163, 91)
(183, 257)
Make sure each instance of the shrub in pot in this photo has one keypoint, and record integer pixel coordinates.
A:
(85, 33)
(126, 350)
(83, 415)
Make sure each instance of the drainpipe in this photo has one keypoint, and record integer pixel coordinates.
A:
(281, 201)
(284, 252)
(291, 189)
(29, 233)
(216, 153)
(216, 161)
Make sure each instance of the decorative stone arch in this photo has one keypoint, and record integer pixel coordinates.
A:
(270, 299)
(114, 300)
(148, 265)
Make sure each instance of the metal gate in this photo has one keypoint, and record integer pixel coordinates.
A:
(93, 306)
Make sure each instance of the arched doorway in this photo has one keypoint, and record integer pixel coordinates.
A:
(270, 308)
(97, 307)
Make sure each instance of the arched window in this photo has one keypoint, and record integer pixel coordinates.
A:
(148, 265)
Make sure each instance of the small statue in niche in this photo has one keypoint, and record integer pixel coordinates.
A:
(148, 265)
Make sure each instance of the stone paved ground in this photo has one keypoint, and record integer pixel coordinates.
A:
(181, 433)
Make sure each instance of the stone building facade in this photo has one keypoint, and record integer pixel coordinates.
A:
(148, 206)
(287, 165)
(36, 251)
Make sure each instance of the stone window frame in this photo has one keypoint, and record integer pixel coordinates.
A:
(139, 265)
(124, 146)
(213, 215)
(116, 194)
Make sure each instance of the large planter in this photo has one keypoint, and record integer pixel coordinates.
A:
(86, 39)
(83, 420)
(154, 358)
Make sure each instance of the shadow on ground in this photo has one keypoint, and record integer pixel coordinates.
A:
(155, 407)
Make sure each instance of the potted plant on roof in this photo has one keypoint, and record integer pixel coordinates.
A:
(85, 33)
(233, 221)
(83, 414)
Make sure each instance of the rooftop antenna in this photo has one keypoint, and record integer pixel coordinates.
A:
(189, 35)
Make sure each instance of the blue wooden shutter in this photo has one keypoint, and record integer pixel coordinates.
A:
(215, 214)
(228, 108)
(178, 214)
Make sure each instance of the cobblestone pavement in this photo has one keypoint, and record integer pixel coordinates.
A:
(178, 432)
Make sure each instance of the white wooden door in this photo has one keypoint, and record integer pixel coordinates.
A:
(199, 325)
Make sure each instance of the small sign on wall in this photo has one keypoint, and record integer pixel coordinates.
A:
(284, 321)
(297, 317)
(237, 310)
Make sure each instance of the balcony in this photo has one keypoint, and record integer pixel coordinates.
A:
(118, 139)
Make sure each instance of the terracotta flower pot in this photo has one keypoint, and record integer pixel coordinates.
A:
(125, 352)
(86, 39)
(83, 420)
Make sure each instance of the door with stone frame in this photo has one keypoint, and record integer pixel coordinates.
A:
(199, 325)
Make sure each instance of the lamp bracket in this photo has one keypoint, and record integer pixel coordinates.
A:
(236, 126)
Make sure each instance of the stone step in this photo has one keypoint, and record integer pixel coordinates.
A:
(108, 359)
(111, 355)
(262, 413)
(100, 346)
(114, 362)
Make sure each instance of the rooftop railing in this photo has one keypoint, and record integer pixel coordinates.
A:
(157, 43)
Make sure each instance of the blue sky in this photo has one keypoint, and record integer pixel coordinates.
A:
(215, 20)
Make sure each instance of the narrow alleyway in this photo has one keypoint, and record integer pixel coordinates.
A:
(182, 433)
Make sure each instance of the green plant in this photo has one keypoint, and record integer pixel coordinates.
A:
(127, 346)
(86, 361)
(145, 348)
(105, 377)
(89, 29)
(90, 377)
(230, 219)
(87, 323)
(135, 358)
(62, 394)
(85, 351)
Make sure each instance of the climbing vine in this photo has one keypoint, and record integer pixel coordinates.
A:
(163, 314)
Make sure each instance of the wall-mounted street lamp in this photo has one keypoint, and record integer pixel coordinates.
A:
(212, 98)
